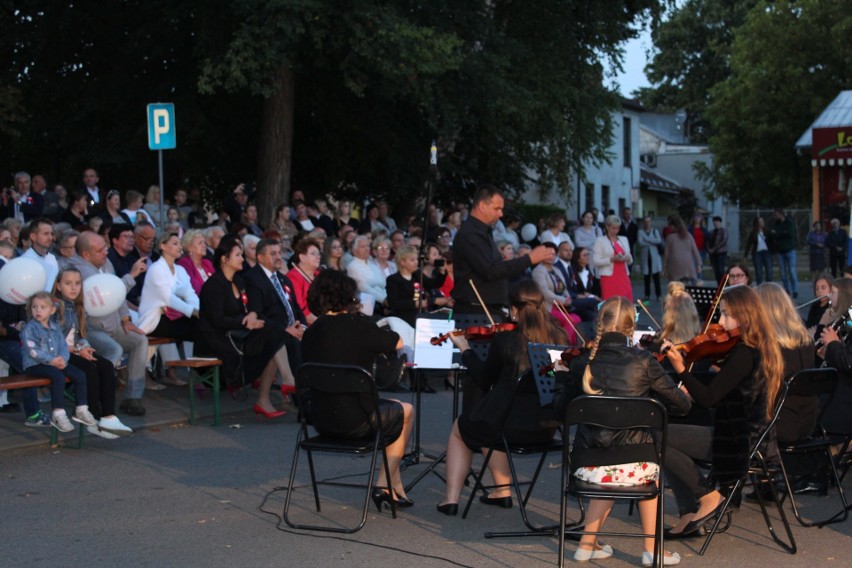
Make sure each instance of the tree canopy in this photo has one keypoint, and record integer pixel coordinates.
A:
(789, 60)
(331, 95)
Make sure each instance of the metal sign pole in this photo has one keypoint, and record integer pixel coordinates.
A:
(162, 193)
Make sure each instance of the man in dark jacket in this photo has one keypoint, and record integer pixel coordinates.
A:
(783, 233)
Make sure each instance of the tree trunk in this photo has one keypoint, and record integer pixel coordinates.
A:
(276, 145)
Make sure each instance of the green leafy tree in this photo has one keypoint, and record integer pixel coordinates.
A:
(691, 54)
(508, 88)
(789, 60)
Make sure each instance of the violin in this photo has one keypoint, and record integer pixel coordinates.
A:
(475, 333)
(567, 356)
(715, 343)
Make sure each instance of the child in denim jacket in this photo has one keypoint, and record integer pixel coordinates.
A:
(45, 354)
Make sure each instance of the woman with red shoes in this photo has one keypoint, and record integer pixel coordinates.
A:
(227, 327)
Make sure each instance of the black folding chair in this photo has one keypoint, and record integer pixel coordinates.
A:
(821, 384)
(311, 379)
(615, 413)
(758, 472)
(500, 443)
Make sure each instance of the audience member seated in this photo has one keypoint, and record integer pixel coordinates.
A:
(586, 284)
(305, 269)
(406, 298)
(333, 255)
(369, 278)
(114, 334)
(227, 326)
(557, 300)
(65, 246)
(197, 266)
(270, 296)
(77, 213)
(169, 305)
(343, 336)
(381, 252)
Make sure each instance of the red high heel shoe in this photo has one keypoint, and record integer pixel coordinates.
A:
(288, 389)
(258, 410)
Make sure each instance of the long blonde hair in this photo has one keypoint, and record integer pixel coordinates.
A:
(787, 326)
(743, 304)
(680, 316)
(616, 314)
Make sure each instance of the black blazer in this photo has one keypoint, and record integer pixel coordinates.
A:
(264, 300)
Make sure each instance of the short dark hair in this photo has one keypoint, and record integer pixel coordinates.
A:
(302, 247)
(116, 230)
(36, 223)
(265, 243)
(551, 245)
(485, 193)
(717, 218)
(333, 291)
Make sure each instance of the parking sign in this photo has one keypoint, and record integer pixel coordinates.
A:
(161, 126)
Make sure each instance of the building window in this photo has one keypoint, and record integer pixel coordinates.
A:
(605, 199)
(590, 196)
(627, 139)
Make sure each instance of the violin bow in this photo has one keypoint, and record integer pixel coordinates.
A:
(716, 299)
(481, 303)
(564, 312)
(645, 309)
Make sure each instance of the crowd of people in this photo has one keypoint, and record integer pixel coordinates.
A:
(312, 283)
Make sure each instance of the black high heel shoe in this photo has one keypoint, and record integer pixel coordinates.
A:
(404, 503)
(448, 386)
(381, 496)
(449, 509)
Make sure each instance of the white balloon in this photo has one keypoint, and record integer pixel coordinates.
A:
(20, 278)
(528, 232)
(103, 294)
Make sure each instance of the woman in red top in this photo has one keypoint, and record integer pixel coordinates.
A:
(194, 262)
(308, 257)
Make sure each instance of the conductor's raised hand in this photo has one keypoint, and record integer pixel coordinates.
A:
(542, 253)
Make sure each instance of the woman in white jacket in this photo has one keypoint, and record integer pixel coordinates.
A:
(611, 257)
(168, 306)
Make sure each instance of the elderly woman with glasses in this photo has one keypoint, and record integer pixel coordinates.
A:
(306, 265)
(381, 256)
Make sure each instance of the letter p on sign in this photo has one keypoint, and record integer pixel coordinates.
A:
(161, 126)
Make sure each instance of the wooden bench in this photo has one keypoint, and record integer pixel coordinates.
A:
(206, 373)
(13, 382)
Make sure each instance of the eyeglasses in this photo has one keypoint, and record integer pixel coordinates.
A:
(736, 275)
(383, 248)
(336, 247)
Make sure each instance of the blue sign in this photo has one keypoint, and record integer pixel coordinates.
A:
(161, 126)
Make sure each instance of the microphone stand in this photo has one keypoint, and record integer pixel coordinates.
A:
(413, 458)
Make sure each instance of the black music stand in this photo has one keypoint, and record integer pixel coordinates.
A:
(540, 358)
(703, 298)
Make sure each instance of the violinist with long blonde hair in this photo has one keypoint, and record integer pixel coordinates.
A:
(615, 368)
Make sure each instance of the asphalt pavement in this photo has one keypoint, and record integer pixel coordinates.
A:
(179, 495)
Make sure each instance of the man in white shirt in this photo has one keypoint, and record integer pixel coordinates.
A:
(90, 182)
(41, 237)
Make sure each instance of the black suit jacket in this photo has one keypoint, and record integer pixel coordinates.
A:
(31, 208)
(264, 300)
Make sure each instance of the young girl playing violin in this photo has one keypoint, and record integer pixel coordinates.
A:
(742, 392)
(478, 427)
(615, 368)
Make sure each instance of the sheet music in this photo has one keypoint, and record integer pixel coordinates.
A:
(426, 355)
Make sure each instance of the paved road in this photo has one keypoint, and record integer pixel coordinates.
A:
(179, 495)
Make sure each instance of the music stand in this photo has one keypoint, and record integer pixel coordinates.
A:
(413, 458)
(540, 358)
(703, 298)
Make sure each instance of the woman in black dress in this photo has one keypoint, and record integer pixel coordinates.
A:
(527, 421)
(225, 322)
(343, 336)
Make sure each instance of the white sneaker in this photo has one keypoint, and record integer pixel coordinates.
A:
(102, 433)
(61, 422)
(114, 426)
(669, 558)
(83, 416)
(584, 555)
